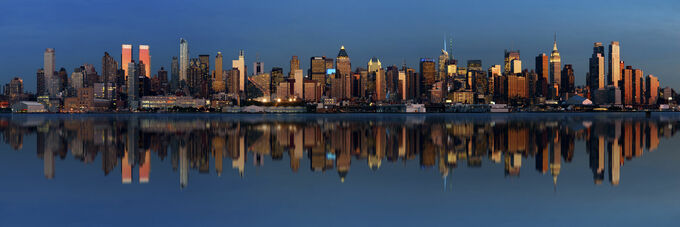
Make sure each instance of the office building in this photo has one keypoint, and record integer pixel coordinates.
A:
(183, 60)
(219, 85)
(428, 74)
(374, 65)
(510, 56)
(651, 90)
(555, 65)
(125, 57)
(145, 57)
(240, 64)
(596, 80)
(614, 64)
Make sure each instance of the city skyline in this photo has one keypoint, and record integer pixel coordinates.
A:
(652, 51)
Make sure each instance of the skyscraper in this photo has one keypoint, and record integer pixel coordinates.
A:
(652, 89)
(555, 65)
(380, 85)
(543, 71)
(109, 72)
(298, 86)
(183, 60)
(240, 64)
(614, 64)
(40, 82)
(294, 65)
(258, 67)
(109, 68)
(218, 83)
(442, 64)
(317, 69)
(145, 58)
(638, 86)
(428, 72)
(509, 57)
(343, 65)
(374, 65)
(125, 57)
(627, 78)
(596, 79)
(132, 82)
(52, 81)
(567, 83)
(174, 70)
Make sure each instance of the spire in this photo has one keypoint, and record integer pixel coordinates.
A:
(555, 42)
(445, 46)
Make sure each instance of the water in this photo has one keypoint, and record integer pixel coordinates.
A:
(340, 170)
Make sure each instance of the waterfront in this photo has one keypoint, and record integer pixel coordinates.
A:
(340, 169)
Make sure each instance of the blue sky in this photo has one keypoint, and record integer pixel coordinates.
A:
(394, 31)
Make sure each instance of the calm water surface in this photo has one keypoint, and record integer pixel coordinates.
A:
(340, 170)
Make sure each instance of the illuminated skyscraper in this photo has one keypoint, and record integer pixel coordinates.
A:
(428, 74)
(652, 90)
(374, 65)
(218, 83)
(442, 64)
(638, 87)
(596, 80)
(49, 63)
(240, 64)
(52, 81)
(125, 57)
(628, 92)
(510, 56)
(183, 60)
(614, 64)
(298, 86)
(343, 65)
(555, 65)
(317, 69)
(145, 58)
(380, 85)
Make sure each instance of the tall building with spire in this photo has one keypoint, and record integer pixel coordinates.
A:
(240, 64)
(555, 65)
(183, 60)
(342, 63)
(442, 63)
(614, 62)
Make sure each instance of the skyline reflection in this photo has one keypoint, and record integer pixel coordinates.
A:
(331, 143)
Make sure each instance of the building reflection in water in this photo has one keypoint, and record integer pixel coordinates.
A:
(333, 143)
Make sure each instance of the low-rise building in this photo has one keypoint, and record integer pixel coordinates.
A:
(164, 102)
(28, 107)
